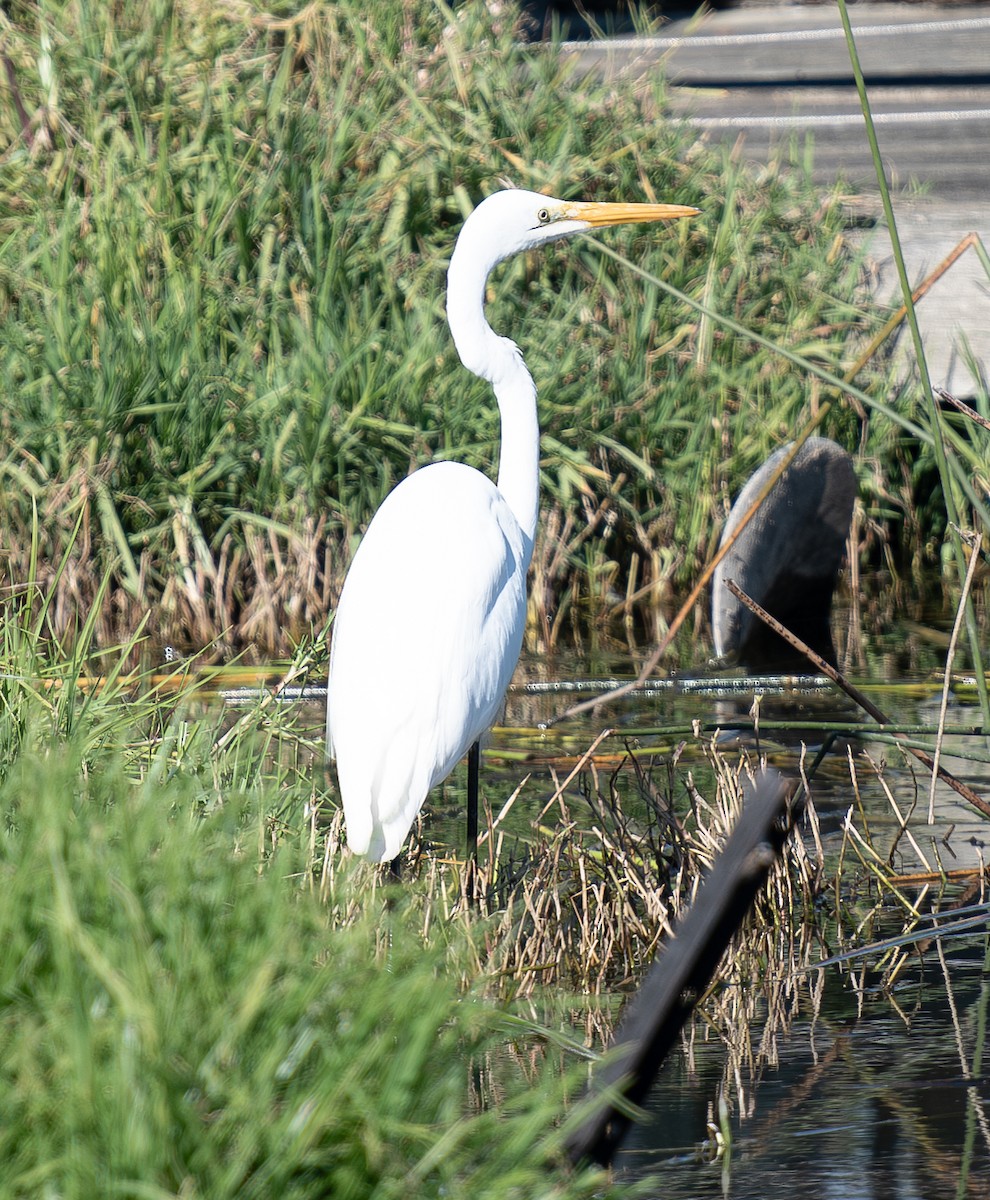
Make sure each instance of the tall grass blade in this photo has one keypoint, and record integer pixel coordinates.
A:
(935, 417)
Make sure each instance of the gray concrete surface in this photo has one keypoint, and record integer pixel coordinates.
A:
(954, 317)
(773, 73)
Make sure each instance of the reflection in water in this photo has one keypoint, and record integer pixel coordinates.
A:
(875, 1095)
(874, 1105)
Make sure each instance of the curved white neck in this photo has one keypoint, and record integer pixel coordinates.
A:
(500, 361)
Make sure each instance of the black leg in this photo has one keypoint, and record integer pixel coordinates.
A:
(395, 867)
(474, 768)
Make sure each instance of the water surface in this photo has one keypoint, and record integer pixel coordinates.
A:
(862, 1091)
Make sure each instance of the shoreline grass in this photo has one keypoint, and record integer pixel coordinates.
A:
(178, 1022)
(202, 994)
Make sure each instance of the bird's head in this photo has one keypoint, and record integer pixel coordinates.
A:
(513, 220)
(503, 225)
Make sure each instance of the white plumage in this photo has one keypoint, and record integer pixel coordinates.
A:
(447, 628)
(430, 622)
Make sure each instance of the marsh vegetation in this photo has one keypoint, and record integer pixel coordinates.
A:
(221, 279)
(223, 234)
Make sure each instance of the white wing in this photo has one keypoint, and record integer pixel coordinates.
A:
(424, 643)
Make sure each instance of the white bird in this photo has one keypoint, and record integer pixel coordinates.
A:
(430, 621)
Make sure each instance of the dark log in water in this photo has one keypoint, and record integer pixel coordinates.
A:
(657, 1013)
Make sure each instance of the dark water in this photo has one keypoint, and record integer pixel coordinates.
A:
(880, 1103)
(862, 1092)
(865, 1092)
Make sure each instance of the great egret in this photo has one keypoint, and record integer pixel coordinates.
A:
(430, 621)
(787, 558)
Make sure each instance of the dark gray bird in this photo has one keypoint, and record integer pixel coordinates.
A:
(787, 558)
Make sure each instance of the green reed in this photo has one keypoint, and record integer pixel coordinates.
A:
(221, 282)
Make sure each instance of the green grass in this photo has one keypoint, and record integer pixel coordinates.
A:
(221, 288)
(180, 1016)
(201, 997)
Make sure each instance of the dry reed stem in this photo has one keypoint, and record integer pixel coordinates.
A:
(974, 541)
(585, 901)
(257, 594)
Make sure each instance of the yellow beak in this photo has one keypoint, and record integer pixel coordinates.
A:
(599, 215)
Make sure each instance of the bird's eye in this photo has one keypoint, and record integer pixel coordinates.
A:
(543, 216)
